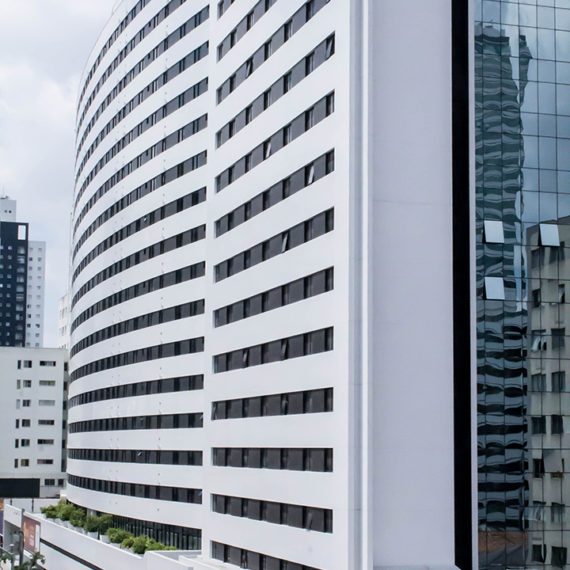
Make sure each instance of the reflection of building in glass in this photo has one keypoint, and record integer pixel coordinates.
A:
(522, 72)
(501, 316)
(549, 410)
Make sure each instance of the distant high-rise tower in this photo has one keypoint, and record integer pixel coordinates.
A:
(22, 276)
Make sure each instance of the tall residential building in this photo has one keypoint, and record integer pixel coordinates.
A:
(32, 386)
(22, 276)
(262, 319)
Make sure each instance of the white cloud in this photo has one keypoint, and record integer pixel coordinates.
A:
(44, 45)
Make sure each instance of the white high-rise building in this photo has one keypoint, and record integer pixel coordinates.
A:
(35, 294)
(262, 318)
(32, 421)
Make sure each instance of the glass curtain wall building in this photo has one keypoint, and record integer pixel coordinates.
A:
(522, 130)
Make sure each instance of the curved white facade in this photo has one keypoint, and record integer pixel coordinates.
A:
(221, 300)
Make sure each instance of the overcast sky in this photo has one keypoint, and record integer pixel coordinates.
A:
(44, 45)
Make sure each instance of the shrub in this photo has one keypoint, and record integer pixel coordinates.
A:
(140, 544)
(91, 523)
(117, 535)
(66, 511)
(105, 522)
(128, 542)
(61, 504)
(50, 512)
(77, 517)
(154, 545)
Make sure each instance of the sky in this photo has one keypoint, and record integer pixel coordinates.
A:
(44, 45)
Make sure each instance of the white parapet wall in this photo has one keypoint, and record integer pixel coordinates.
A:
(68, 548)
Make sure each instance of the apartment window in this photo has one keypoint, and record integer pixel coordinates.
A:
(46, 402)
(47, 363)
(558, 511)
(538, 340)
(45, 461)
(538, 552)
(25, 442)
(562, 293)
(28, 363)
(309, 63)
(538, 425)
(559, 556)
(537, 257)
(26, 423)
(45, 441)
(558, 338)
(559, 381)
(329, 47)
(538, 467)
(24, 462)
(47, 382)
(538, 382)
(49, 482)
(287, 82)
(287, 30)
(46, 422)
(557, 425)
(536, 298)
(26, 403)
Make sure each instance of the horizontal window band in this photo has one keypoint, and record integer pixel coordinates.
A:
(157, 215)
(111, 40)
(129, 423)
(243, 26)
(147, 456)
(299, 516)
(290, 403)
(166, 350)
(157, 249)
(304, 344)
(249, 559)
(150, 285)
(291, 238)
(288, 186)
(270, 46)
(179, 67)
(194, 57)
(157, 492)
(302, 123)
(287, 458)
(161, 113)
(292, 292)
(161, 386)
(180, 135)
(167, 315)
(180, 32)
(278, 89)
